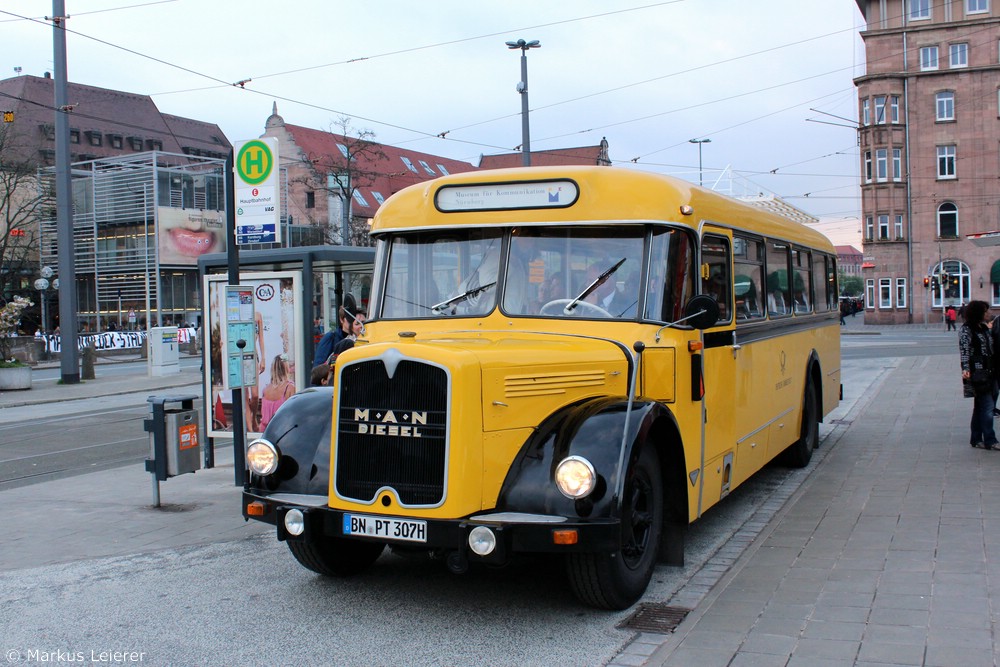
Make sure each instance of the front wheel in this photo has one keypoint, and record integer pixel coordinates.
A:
(618, 579)
(335, 556)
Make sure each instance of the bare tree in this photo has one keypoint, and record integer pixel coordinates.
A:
(341, 174)
(23, 200)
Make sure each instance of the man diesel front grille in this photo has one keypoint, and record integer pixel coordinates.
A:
(392, 432)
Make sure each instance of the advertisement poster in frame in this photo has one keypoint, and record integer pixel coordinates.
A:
(277, 342)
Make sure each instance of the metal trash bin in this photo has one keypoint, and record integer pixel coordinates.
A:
(174, 439)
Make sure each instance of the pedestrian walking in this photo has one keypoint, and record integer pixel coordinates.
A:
(975, 344)
(994, 326)
(950, 316)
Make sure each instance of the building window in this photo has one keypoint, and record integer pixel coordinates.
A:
(885, 293)
(868, 166)
(870, 293)
(74, 136)
(947, 220)
(881, 165)
(959, 55)
(344, 151)
(310, 199)
(442, 169)
(869, 228)
(378, 197)
(900, 293)
(883, 228)
(409, 165)
(956, 283)
(899, 227)
(996, 294)
(94, 137)
(880, 110)
(897, 164)
(920, 9)
(427, 168)
(946, 161)
(929, 58)
(866, 114)
(977, 6)
(894, 108)
(116, 140)
(945, 105)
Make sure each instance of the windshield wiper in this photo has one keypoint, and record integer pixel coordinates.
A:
(598, 281)
(439, 307)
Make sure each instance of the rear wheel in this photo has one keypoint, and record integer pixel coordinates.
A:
(799, 453)
(618, 579)
(334, 556)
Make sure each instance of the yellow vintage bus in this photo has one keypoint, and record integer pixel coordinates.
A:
(573, 360)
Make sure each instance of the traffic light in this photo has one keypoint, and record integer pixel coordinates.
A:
(927, 282)
(934, 282)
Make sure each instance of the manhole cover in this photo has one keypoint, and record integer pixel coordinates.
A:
(655, 617)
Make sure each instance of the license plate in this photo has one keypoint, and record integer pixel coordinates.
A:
(386, 528)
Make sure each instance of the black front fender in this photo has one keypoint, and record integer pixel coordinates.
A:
(300, 430)
(591, 429)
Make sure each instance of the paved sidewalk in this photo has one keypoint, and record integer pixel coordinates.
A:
(889, 554)
(105, 383)
(111, 513)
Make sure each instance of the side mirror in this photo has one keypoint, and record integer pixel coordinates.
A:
(701, 311)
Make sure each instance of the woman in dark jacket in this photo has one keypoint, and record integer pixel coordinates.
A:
(976, 347)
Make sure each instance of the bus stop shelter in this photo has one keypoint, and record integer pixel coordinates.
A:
(296, 292)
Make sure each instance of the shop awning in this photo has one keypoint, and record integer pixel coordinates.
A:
(985, 239)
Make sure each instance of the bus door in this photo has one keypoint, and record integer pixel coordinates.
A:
(718, 369)
(754, 404)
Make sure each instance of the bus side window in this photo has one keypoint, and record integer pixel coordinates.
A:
(716, 278)
(745, 287)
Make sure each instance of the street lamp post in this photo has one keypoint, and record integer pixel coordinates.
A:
(700, 142)
(42, 285)
(522, 88)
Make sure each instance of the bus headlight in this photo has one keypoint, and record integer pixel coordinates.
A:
(295, 522)
(575, 477)
(482, 541)
(262, 458)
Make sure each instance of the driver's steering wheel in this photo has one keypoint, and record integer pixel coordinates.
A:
(558, 307)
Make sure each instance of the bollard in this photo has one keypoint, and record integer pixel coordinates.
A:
(89, 357)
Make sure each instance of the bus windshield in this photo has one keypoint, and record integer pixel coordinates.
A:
(569, 271)
(441, 273)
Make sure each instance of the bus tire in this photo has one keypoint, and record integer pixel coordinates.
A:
(618, 579)
(800, 452)
(336, 557)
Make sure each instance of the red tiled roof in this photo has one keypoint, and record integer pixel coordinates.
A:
(384, 169)
(560, 157)
(847, 250)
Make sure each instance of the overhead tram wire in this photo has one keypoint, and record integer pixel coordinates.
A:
(93, 11)
(440, 44)
(442, 135)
